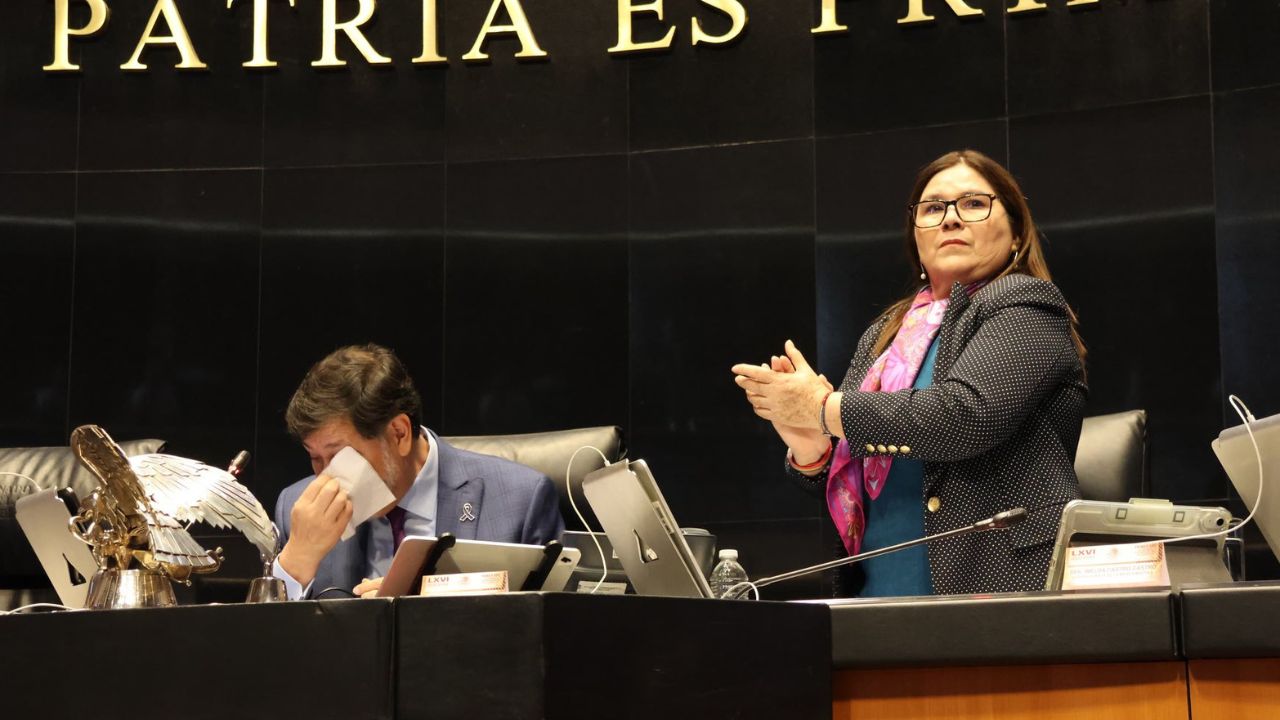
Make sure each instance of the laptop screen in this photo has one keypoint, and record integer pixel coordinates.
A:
(644, 534)
(1235, 452)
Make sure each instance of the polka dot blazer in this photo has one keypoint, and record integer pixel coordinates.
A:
(997, 430)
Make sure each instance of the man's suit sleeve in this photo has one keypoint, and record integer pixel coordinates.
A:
(543, 523)
(284, 505)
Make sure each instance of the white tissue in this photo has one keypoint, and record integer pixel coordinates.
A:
(367, 491)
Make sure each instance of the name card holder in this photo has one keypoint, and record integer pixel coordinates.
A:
(1097, 567)
(472, 583)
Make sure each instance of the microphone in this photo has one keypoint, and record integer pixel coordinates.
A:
(999, 521)
(238, 463)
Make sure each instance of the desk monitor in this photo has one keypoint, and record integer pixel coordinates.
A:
(643, 532)
(1235, 452)
(1090, 522)
(467, 556)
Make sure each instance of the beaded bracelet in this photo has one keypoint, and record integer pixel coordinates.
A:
(822, 415)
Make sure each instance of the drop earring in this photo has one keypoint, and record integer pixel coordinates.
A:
(922, 275)
(1015, 255)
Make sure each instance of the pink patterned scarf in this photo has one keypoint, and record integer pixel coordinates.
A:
(895, 369)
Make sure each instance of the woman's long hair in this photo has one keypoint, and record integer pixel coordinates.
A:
(1029, 260)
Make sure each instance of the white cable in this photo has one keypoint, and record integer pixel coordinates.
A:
(733, 590)
(568, 472)
(33, 606)
(14, 474)
(1247, 418)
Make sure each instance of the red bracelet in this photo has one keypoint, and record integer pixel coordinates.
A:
(791, 458)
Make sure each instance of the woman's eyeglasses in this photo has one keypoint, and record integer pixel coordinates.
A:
(974, 207)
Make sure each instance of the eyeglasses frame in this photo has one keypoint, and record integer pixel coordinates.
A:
(911, 209)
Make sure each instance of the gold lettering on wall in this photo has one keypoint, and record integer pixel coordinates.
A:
(62, 31)
(260, 58)
(177, 37)
(1030, 5)
(351, 28)
(627, 43)
(915, 11)
(736, 13)
(1027, 6)
(430, 36)
(828, 22)
(519, 25)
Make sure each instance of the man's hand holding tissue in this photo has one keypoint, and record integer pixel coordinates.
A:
(318, 519)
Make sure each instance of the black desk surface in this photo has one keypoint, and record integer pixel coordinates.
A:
(563, 655)
(519, 655)
(327, 659)
(1003, 629)
(1240, 620)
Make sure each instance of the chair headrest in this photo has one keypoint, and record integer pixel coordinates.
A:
(1111, 458)
(58, 467)
(549, 453)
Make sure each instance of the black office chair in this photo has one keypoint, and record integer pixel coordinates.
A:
(1111, 458)
(549, 453)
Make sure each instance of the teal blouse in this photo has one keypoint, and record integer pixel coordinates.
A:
(896, 517)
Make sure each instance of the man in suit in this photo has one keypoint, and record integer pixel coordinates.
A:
(363, 397)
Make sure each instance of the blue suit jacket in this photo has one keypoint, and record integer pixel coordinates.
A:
(511, 502)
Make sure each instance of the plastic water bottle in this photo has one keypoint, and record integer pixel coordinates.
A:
(727, 573)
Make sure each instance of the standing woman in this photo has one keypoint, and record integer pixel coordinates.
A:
(964, 399)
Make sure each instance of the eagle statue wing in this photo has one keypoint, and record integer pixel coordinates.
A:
(192, 491)
(129, 512)
(172, 544)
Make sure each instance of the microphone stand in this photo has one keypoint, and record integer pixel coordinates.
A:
(999, 521)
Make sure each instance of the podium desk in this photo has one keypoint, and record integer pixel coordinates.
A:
(303, 660)
(563, 655)
(1203, 653)
(1231, 638)
(518, 656)
(1009, 656)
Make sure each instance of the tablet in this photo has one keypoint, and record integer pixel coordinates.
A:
(1093, 522)
(475, 556)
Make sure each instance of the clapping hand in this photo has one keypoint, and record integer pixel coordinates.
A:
(788, 393)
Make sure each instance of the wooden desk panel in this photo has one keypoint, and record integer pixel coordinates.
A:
(1235, 689)
(1132, 691)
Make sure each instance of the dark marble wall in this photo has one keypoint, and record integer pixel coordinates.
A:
(595, 239)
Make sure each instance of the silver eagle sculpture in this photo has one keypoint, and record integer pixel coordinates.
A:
(142, 507)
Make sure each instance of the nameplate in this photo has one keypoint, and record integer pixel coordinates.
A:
(1116, 566)
(475, 583)
(606, 588)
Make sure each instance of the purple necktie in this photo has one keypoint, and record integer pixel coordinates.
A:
(396, 517)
